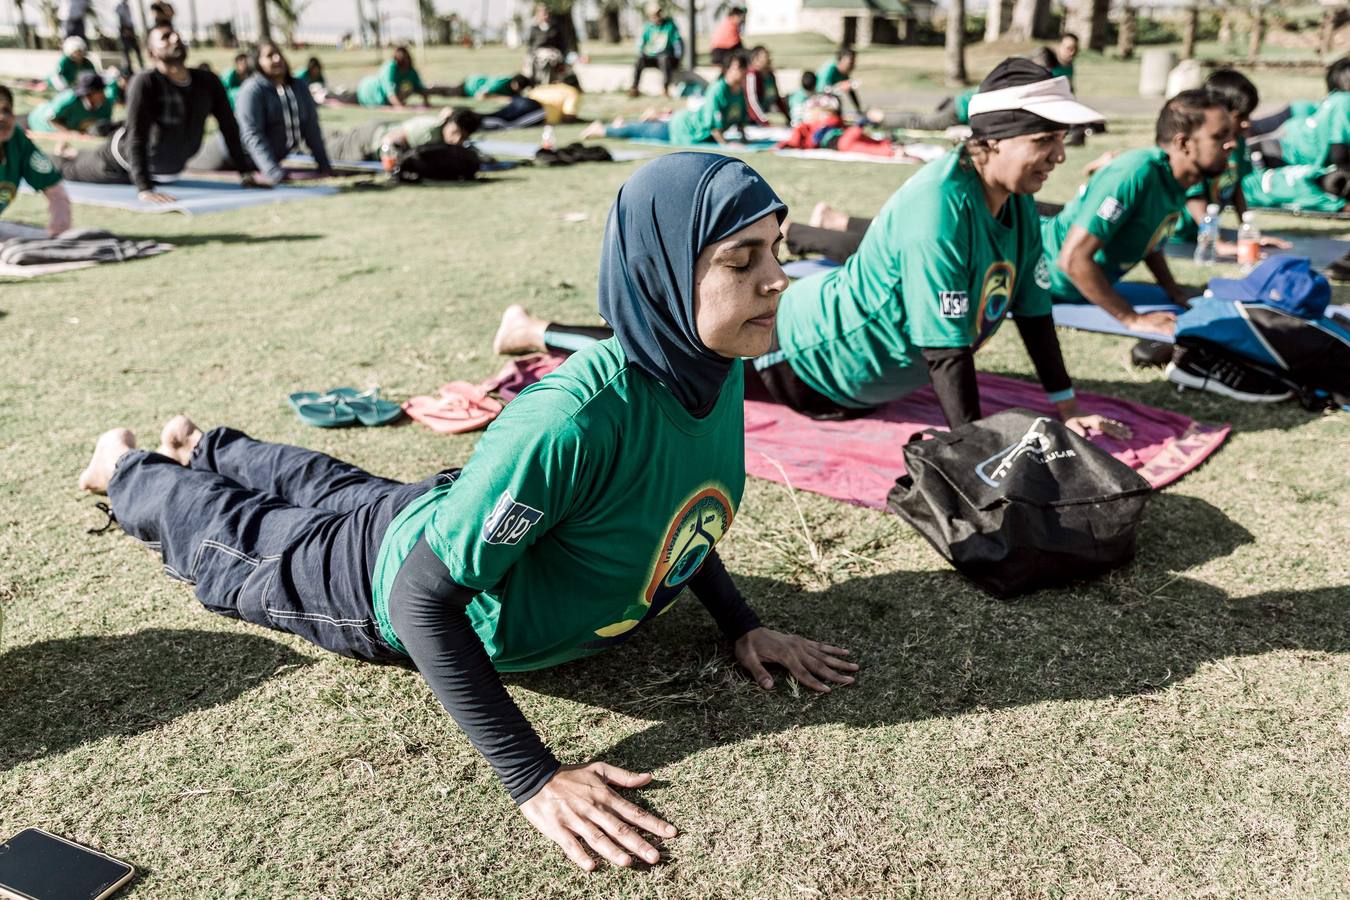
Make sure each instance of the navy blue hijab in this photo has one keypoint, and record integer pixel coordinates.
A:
(665, 215)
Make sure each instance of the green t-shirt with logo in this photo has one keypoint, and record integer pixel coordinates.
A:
(67, 111)
(586, 508)
(721, 109)
(1215, 190)
(22, 161)
(68, 72)
(1132, 205)
(487, 85)
(376, 90)
(1066, 71)
(935, 269)
(659, 38)
(1308, 135)
(962, 103)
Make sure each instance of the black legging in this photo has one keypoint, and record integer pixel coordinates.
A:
(831, 244)
(665, 62)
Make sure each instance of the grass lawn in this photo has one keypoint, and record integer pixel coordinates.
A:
(1179, 727)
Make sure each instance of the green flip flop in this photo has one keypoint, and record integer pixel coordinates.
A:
(321, 410)
(370, 410)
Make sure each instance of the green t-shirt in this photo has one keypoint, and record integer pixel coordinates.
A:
(68, 111)
(1132, 206)
(1308, 136)
(375, 90)
(1215, 190)
(68, 72)
(829, 75)
(659, 38)
(962, 103)
(485, 85)
(583, 512)
(797, 103)
(721, 109)
(935, 269)
(1291, 187)
(303, 75)
(1066, 71)
(22, 161)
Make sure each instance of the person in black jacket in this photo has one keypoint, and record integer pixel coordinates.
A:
(276, 115)
(167, 108)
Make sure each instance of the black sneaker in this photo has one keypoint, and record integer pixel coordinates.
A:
(1339, 270)
(1147, 354)
(1196, 367)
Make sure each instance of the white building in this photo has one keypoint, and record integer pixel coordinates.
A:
(856, 23)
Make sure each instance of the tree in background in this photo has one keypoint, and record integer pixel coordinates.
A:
(264, 20)
(1192, 27)
(1128, 33)
(288, 17)
(955, 48)
(1087, 19)
(1030, 20)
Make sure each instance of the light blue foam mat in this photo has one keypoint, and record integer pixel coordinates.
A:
(1087, 317)
(1321, 251)
(527, 150)
(191, 197)
(358, 165)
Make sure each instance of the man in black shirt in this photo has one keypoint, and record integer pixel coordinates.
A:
(167, 107)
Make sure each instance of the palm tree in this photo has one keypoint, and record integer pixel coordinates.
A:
(288, 17)
(264, 22)
(956, 42)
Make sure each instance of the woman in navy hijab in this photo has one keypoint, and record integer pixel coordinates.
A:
(585, 510)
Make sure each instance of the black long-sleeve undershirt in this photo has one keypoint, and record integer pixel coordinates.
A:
(166, 120)
(427, 609)
(952, 369)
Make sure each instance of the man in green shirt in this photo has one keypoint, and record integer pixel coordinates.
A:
(80, 110)
(660, 46)
(396, 82)
(74, 60)
(1130, 207)
(836, 76)
(21, 161)
(1066, 51)
(238, 74)
(723, 108)
(1321, 136)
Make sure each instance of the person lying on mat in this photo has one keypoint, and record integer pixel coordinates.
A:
(948, 257)
(167, 106)
(22, 161)
(797, 99)
(551, 104)
(452, 126)
(74, 61)
(823, 128)
(75, 112)
(1240, 96)
(396, 81)
(1130, 207)
(587, 507)
(1310, 134)
(276, 116)
(723, 108)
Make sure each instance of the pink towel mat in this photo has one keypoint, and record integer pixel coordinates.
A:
(858, 461)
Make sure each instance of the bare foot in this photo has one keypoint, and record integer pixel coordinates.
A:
(178, 439)
(109, 449)
(64, 150)
(594, 130)
(519, 332)
(826, 216)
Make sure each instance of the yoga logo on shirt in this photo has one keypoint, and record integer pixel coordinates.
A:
(509, 521)
(6, 193)
(40, 163)
(995, 298)
(693, 533)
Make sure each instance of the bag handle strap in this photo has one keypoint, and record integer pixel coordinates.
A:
(942, 437)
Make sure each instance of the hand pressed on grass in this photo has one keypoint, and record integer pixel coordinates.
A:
(811, 663)
(578, 804)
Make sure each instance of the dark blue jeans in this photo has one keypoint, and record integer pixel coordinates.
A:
(279, 536)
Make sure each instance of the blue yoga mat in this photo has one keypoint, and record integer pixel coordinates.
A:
(1321, 251)
(191, 197)
(359, 165)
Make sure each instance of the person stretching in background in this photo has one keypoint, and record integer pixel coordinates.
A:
(723, 108)
(396, 81)
(726, 37)
(21, 161)
(836, 76)
(75, 112)
(238, 74)
(761, 89)
(74, 60)
(660, 46)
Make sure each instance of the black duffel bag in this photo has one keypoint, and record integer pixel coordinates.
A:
(439, 162)
(1017, 501)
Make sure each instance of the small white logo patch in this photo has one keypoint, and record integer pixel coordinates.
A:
(509, 521)
(40, 163)
(955, 304)
(1043, 273)
(1110, 210)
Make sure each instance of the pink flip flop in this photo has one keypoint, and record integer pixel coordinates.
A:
(460, 407)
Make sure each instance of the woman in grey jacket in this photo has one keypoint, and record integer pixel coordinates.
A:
(276, 115)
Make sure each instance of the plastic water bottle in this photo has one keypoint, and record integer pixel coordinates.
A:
(388, 158)
(547, 141)
(1249, 242)
(1207, 237)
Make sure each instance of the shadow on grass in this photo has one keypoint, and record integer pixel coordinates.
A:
(933, 646)
(62, 693)
(196, 239)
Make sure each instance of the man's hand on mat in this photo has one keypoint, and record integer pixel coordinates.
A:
(254, 180)
(1156, 322)
(578, 804)
(1083, 425)
(810, 662)
(156, 197)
